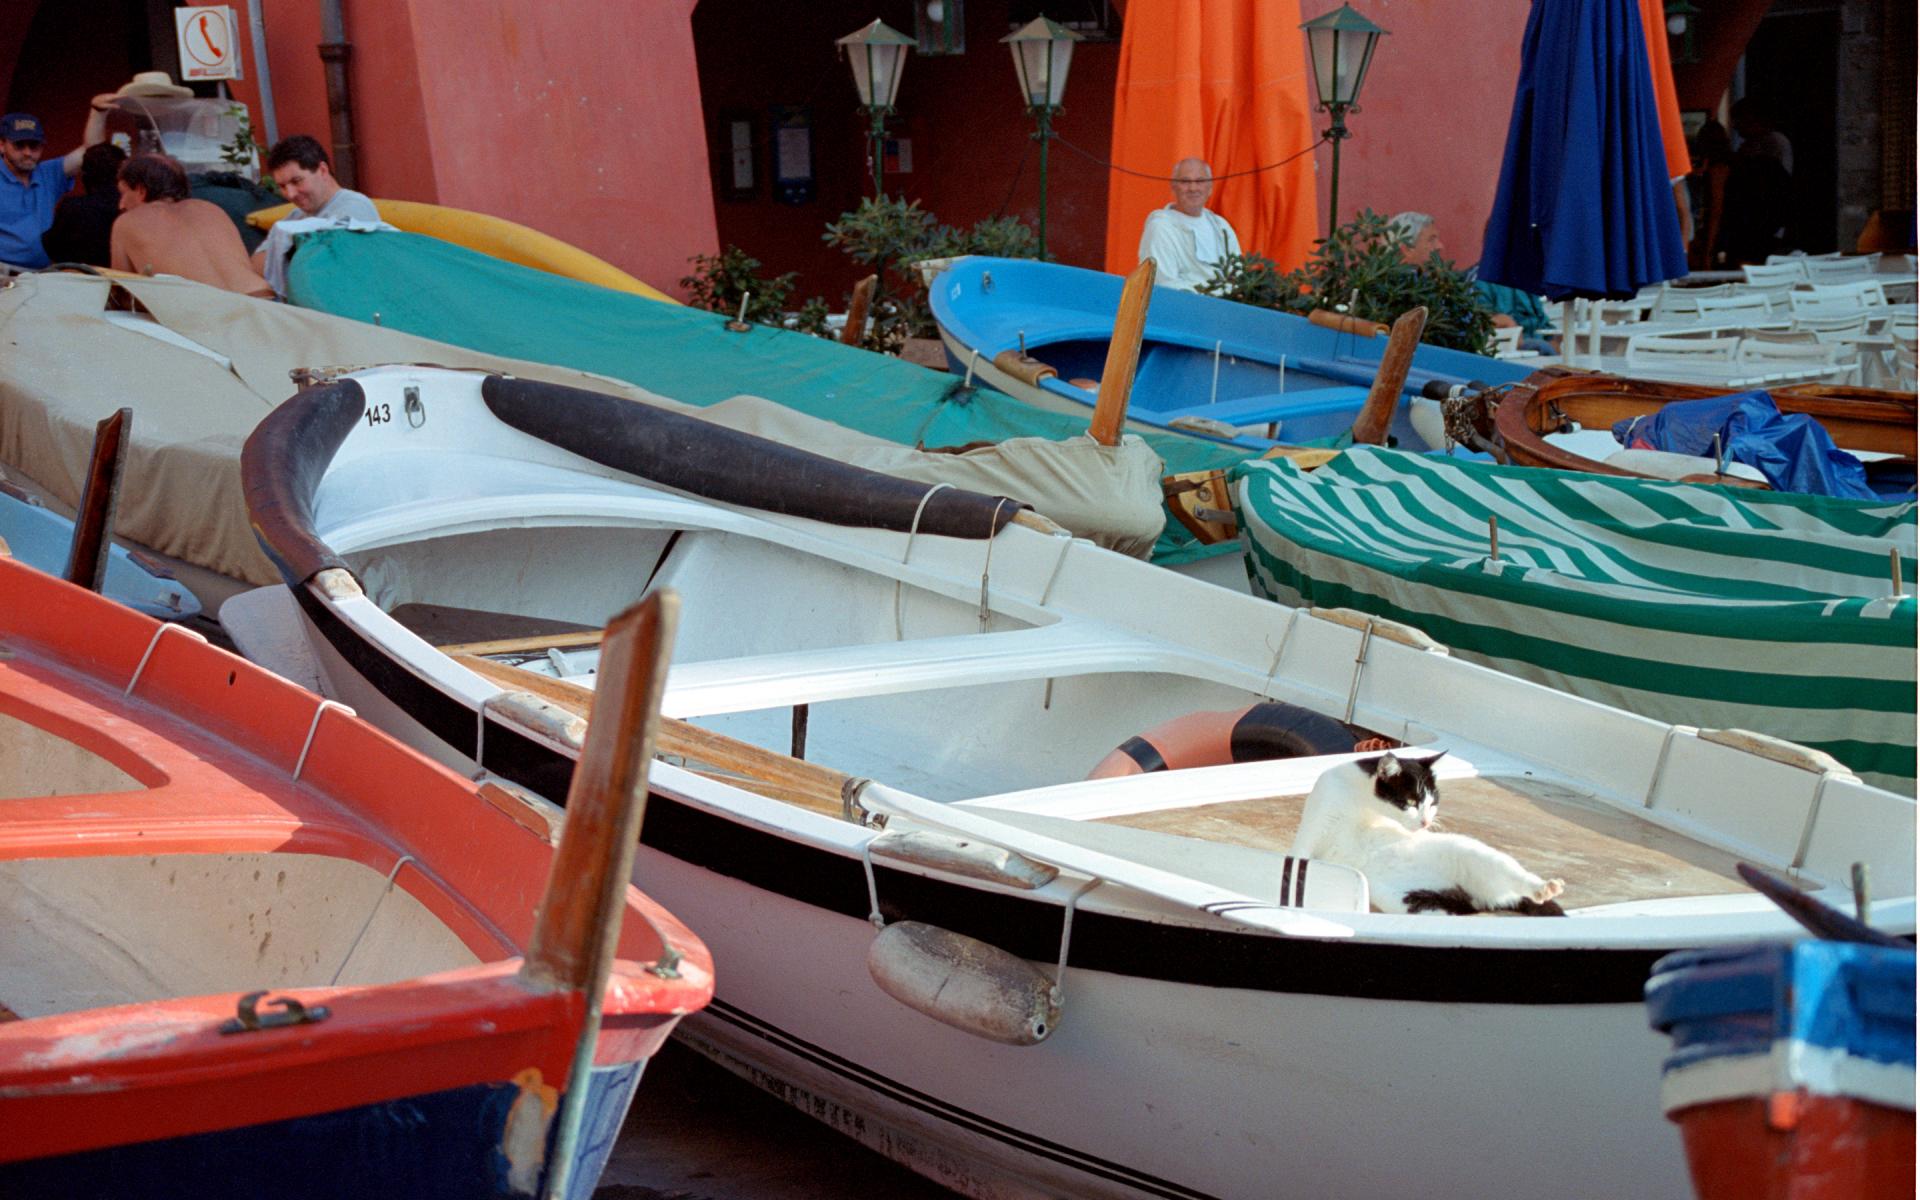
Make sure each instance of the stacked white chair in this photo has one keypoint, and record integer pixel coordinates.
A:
(1650, 352)
(1842, 361)
(1739, 306)
(1839, 270)
(1867, 293)
(1681, 304)
(1773, 282)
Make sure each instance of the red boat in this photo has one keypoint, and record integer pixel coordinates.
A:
(251, 946)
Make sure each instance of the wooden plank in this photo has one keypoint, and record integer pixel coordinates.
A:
(1370, 427)
(854, 332)
(1123, 356)
(529, 645)
(767, 772)
(1606, 856)
(93, 522)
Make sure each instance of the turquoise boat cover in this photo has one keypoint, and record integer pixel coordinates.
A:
(1707, 606)
(435, 289)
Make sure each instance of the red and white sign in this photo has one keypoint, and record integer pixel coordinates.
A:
(209, 43)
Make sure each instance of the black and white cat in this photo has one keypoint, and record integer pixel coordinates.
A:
(1376, 816)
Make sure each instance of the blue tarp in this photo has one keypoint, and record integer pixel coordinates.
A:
(1584, 207)
(1793, 451)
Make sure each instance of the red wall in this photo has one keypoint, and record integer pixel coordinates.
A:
(971, 137)
(580, 120)
(1432, 125)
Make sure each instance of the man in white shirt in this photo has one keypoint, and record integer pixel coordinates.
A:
(300, 167)
(1186, 238)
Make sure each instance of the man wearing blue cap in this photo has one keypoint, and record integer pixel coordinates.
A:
(29, 188)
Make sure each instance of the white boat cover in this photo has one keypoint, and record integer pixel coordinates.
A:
(209, 364)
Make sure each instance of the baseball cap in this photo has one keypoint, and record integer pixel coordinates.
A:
(22, 127)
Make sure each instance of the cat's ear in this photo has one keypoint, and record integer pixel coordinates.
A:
(1385, 766)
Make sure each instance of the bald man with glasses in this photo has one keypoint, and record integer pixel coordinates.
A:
(1186, 238)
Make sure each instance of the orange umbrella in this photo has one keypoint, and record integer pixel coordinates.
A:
(1673, 135)
(1231, 88)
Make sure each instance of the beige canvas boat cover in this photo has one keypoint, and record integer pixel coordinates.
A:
(66, 363)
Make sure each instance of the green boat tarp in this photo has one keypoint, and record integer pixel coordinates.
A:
(435, 289)
(1705, 606)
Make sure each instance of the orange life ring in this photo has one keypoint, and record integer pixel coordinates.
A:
(1271, 729)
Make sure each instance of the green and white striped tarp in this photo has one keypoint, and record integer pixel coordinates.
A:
(1707, 606)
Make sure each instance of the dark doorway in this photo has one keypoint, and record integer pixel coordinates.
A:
(1792, 71)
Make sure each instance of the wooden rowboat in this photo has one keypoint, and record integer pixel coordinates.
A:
(1518, 424)
(1792, 1070)
(940, 934)
(253, 947)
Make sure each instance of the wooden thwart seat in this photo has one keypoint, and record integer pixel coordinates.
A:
(1605, 857)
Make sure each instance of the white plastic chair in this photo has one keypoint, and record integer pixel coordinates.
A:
(1682, 302)
(1904, 370)
(1833, 327)
(1742, 305)
(1792, 271)
(1808, 303)
(1866, 292)
(1843, 361)
(1506, 340)
(1648, 351)
(1838, 270)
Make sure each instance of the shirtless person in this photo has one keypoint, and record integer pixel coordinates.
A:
(161, 231)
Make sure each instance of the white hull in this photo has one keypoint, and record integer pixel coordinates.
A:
(1210, 1042)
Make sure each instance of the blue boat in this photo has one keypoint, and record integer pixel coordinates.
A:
(1792, 1069)
(1212, 368)
(41, 538)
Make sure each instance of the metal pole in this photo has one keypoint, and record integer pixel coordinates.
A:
(1336, 135)
(1045, 113)
(257, 26)
(879, 147)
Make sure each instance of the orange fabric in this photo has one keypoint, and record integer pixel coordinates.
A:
(1673, 135)
(1223, 80)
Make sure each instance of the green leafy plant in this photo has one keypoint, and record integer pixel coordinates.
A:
(243, 150)
(1362, 270)
(719, 281)
(890, 234)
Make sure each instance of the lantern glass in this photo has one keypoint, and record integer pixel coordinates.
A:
(1341, 45)
(1042, 53)
(878, 56)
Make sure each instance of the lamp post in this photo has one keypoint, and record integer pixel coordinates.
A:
(1682, 19)
(1042, 52)
(1341, 45)
(877, 54)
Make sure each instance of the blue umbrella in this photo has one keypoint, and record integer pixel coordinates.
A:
(1585, 207)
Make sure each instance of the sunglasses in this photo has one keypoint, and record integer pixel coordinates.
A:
(28, 145)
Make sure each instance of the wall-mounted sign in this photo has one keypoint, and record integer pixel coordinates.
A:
(209, 44)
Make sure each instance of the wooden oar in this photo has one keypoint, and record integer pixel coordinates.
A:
(1370, 427)
(1123, 356)
(577, 927)
(855, 330)
(93, 522)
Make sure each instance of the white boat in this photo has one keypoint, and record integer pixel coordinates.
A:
(1135, 992)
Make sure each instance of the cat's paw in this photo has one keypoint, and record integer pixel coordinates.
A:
(1547, 890)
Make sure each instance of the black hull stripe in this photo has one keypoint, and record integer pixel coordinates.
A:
(965, 1119)
(1026, 926)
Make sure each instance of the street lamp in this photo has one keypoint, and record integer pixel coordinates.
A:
(1042, 51)
(1341, 45)
(1682, 19)
(877, 54)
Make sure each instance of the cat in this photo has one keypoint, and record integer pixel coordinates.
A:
(1376, 815)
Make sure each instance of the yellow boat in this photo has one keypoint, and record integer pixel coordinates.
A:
(495, 236)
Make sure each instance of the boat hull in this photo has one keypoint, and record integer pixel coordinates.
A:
(1791, 1073)
(420, 1147)
(1250, 1046)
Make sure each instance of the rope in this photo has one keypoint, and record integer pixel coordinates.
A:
(1091, 157)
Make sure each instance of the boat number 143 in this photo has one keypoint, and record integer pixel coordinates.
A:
(379, 414)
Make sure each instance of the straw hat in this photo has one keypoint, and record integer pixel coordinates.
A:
(149, 84)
